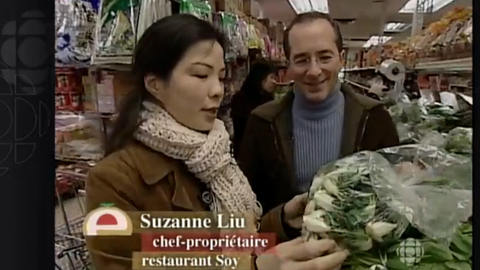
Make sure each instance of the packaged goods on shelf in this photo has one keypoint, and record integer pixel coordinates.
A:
(202, 10)
(116, 29)
(68, 90)
(75, 31)
(89, 92)
(74, 170)
(105, 90)
(228, 23)
(448, 38)
(70, 177)
(150, 12)
(77, 137)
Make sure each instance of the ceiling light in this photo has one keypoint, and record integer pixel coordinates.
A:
(375, 40)
(302, 6)
(396, 27)
(430, 5)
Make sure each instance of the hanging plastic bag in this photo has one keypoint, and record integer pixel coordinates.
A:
(228, 27)
(242, 28)
(150, 12)
(202, 10)
(75, 28)
(117, 31)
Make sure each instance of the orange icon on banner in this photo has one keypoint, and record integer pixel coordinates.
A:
(107, 221)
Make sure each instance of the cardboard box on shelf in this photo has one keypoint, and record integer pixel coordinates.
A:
(122, 85)
(279, 29)
(247, 7)
(90, 94)
(212, 4)
(105, 93)
(105, 90)
(239, 6)
(226, 6)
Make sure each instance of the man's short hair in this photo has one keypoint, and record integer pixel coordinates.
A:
(309, 17)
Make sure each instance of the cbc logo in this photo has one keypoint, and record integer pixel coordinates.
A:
(23, 78)
(107, 221)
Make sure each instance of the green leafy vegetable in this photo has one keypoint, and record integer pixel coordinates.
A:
(388, 209)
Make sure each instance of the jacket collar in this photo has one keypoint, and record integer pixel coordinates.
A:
(279, 113)
(154, 167)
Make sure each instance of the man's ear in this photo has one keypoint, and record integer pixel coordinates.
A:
(342, 57)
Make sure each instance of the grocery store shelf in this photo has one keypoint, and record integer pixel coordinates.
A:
(464, 64)
(358, 85)
(80, 176)
(89, 162)
(360, 69)
(87, 113)
(116, 62)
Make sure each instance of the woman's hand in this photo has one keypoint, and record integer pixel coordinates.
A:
(293, 211)
(299, 255)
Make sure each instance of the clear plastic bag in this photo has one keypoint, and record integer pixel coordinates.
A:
(406, 134)
(228, 24)
(78, 137)
(434, 138)
(150, 12)
(116, 30)
(372, 198)
(201, 9)
(75, 28)
(459, 141)
(426, 184)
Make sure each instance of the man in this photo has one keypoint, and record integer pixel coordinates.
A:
(317, 122)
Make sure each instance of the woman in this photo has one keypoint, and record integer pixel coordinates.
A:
(167, 148)
(256, 90)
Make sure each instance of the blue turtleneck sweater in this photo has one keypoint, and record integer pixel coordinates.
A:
(317, 131)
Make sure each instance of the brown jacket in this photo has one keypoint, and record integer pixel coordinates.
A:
(137, 178)
(266, 155)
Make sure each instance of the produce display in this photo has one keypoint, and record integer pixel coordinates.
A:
(448, 38)
(400, 208)
(433, 124)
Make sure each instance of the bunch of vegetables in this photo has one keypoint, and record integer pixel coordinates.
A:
(400, 208)
(417, 119)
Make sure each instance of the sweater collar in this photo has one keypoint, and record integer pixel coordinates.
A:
(303, 108)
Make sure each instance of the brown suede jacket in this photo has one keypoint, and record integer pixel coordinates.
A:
(266, 154)
(137, 178)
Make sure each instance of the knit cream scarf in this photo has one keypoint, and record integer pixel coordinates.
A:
(207, 156)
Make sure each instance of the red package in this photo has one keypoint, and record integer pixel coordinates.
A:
(76, 102)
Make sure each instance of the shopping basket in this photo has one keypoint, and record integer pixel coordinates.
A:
(70, 248)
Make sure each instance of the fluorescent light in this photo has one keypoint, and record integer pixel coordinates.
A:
(396, 27)
(430, 5)
(302, 6)
(375, 40)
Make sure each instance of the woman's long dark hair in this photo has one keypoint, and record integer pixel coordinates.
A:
(158, 51)
(259, 70)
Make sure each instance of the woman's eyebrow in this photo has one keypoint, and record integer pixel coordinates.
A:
(202, 64)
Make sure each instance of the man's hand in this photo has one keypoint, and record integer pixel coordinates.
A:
(293, 211)
(299, 255)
